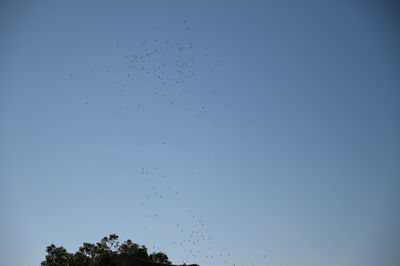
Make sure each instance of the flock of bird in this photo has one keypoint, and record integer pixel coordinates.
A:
(165, 69)
(192, 238)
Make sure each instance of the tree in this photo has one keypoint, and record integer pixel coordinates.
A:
(103, 253)
(133, 249)
(159, 257)
(57, 256)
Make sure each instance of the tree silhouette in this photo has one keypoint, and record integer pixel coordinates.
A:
(103, 253)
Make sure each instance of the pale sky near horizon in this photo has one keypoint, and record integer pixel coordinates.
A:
(219, 132)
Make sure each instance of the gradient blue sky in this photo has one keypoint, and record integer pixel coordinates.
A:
(272, 134)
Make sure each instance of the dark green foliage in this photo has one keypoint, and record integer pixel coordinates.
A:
(133, 249)
(103, 253)
(159, 257)
(57, 256)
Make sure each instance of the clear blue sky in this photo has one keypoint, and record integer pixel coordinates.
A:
(268, 131)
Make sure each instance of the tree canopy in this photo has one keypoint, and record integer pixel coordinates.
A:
(103, 253)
